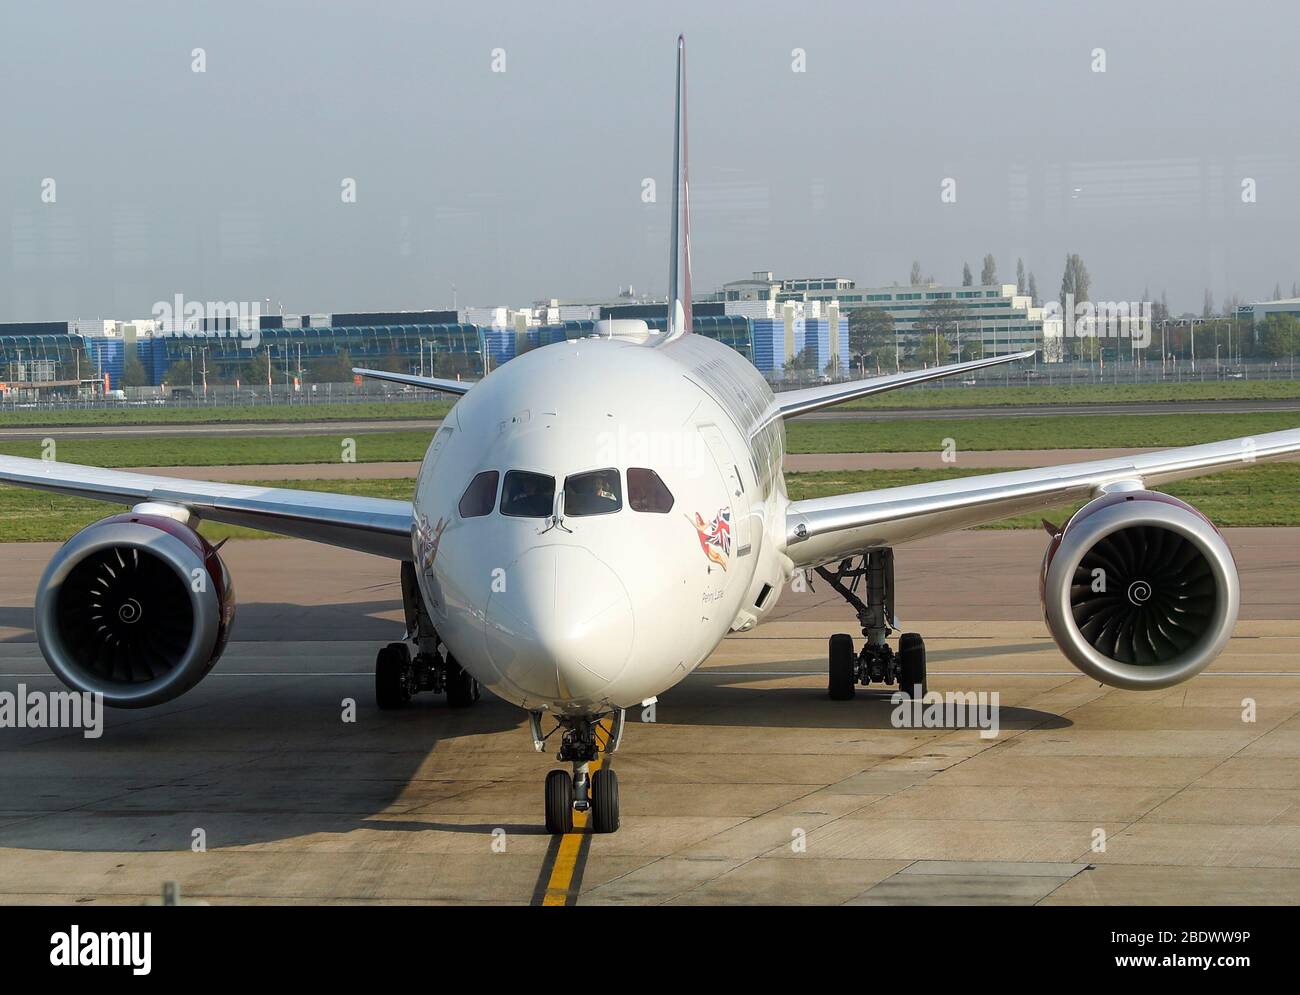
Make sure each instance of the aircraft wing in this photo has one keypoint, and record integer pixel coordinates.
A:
(410, 380)
(798, 402)
(371, 525)
(823, 530)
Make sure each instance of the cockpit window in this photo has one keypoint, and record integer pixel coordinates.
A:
(528, 495)
(480, 495)
(597, 492)
(646, 492)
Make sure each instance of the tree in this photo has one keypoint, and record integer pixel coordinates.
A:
(1075, 280)
(944, 318)
(966, 278)
(916, 272)
(1033, 287)
(1277, 291)
(989, 272)
(258, 368)
(329, 369)
(179, 374)
(1020, 277)
(1279, 335)
(933, 347)
(1164, 306)
(1074, 290)
(871, 336)
(805, 361)
(946, 315)
(133, 373)
(1207, 308)
(1086, 347)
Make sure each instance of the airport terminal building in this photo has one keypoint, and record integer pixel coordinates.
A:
(110, 355)
(1002, 319)
(788, 328)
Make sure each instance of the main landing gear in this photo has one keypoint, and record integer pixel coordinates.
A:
(582, 742)
(876, 662)
(399, 675)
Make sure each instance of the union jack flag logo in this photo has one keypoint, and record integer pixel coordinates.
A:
(427, 537)
(715, 536)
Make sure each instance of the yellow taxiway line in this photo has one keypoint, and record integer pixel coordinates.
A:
(571, 855)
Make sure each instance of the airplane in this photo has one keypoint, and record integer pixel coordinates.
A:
(594, 517)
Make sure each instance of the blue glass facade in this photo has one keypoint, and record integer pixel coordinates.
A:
(108, 356)
(817, 340)
(68, 351)
(396, 347)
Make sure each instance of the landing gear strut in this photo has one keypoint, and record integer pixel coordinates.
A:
(399, 675)
(876, 662)
(595, 793)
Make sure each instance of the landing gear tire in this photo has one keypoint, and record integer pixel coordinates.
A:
(604, 801)
(843, 668)
(911, 665)
(559, 802)
(392, 676)
(462, 687)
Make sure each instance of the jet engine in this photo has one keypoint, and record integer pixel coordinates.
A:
(1139, 590)
(136, 607)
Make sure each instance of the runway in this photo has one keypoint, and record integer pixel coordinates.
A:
(749, 785)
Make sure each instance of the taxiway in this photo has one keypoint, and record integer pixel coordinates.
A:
(749, 785)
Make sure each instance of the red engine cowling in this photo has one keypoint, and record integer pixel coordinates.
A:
(1139, 590)
(135, 607)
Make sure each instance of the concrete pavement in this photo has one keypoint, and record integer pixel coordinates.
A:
(748, 786)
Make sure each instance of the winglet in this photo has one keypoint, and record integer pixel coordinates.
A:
(424, 383)
(789, 403)
(679, 249)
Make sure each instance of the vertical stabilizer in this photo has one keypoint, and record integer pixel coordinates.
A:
(679, 259)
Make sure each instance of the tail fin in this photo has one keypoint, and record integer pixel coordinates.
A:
(679, 259)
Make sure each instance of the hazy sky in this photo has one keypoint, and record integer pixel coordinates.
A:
(525, 184)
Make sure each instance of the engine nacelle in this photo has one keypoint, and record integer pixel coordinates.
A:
(1139, 590)
(135, 607)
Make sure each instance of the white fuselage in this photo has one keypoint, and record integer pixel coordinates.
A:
(604, 610)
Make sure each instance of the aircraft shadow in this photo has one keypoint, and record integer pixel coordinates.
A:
(810, 708)
(262, 750)
(261, 753)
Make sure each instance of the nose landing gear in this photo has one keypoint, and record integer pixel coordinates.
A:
(877, 662)
(592, 788)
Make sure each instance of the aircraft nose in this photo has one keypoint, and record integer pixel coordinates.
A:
(561, 625)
